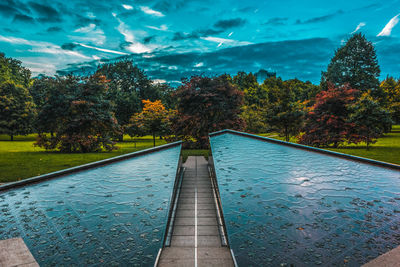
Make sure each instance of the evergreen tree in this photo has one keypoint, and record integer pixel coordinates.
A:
(354, 63)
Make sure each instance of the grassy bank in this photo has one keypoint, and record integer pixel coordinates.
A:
(386, 149)
(19, 159)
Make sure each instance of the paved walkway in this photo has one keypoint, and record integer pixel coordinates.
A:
(195, 238)
(14, 252)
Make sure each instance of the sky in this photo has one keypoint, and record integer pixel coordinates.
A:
(179, 38)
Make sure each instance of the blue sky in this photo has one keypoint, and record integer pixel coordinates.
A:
(174, 39)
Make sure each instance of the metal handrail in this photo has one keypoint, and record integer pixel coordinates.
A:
(218, 204)
(171, 217)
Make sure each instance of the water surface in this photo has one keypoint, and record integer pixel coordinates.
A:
(284, 205)
(110, 215)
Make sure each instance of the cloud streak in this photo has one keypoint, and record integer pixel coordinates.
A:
(359, 26)
(151, 12)
(103, 49)
(387, 30)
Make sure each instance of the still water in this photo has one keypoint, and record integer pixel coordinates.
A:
(284, 205)
(110, 215)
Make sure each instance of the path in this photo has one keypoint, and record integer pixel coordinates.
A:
(195, 238)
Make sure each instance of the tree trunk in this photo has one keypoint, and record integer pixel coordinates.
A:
(12, 137)
(154, 139)
(286, 134)
(121, 138)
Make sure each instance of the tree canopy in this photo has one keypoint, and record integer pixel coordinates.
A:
(205, 105)
(354, 63)
(82, 117)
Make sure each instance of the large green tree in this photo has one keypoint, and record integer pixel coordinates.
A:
(83, 120)
(11, 70)
(391, 100)
(127, 86)
(354, 63)
(17, 110)
(205, 105)
(370, 119)
(255, 101)
(285, 114)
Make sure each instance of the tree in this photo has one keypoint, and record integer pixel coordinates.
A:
(128, 85)
(245, 80)
(391, 90)
(154, 119)
(303, 91)
(255, 101)
(11, 70)
(327, 122)
(286, 114)
(17, 110)
(354, 63)
(205, 105)
(83, 120)
(370, 119)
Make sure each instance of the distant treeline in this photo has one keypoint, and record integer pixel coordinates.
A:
(82, 114)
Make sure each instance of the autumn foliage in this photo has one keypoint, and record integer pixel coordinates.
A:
(154, 119)
(327, 122)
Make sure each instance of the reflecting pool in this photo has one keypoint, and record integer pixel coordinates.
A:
(110, 215)
(283, 205)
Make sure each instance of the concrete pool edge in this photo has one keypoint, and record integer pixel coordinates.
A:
(51, 175)
(310, 148)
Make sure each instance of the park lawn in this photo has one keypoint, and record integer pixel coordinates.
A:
(386, 149)
(19, 159)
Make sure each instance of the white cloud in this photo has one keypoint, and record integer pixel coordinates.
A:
(387, 30)
(90, 15)
(86, 29)
(222, 41)
(103, 49)
(152, 12)
(159, 81)
(198, 65)
(161, 28)
(134, 46)
(359, 26)
(127, 7)
(41, 47)
(90, 34)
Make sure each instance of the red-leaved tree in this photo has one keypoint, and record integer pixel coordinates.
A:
(205, 105)
(327, 123)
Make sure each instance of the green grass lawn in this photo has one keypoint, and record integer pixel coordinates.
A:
(387, 148)
(19, 159)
